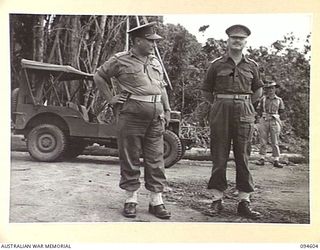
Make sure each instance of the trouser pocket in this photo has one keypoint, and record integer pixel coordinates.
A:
(247, 112)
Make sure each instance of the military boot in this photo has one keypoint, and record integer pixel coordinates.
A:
(245, 211)
(216, 207)
(129, 210)
(159, 211)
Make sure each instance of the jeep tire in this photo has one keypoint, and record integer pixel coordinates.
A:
(14, 102)
(173, 150)
(46, 142)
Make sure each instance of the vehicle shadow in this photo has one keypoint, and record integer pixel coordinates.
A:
(99, 160)
(94, 160)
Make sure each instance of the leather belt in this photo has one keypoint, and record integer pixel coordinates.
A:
(233, 96)
(146, 98)
(270, 116)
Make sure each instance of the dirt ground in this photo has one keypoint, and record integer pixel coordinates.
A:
(86, 190)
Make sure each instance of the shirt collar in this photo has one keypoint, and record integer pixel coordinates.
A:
(135, 56)
(226, 56)
(273, 97)
(245, 58)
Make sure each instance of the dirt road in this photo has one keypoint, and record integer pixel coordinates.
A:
(86, 190)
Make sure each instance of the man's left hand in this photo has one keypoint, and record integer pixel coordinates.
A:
(167, 117)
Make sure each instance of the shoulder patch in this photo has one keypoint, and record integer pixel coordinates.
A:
(253, 61)
(220, 57)
(123, 53)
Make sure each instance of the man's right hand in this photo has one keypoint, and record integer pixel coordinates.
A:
(121, 98)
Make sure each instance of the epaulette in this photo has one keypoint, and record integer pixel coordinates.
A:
(220, 57)
(251, 60)
(123, 53)
(153, 57)
(278, 97)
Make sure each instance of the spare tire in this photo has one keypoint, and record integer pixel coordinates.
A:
(14, 102)
(173, 149)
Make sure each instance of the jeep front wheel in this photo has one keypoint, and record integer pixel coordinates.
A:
(46, 142)
(172, 148)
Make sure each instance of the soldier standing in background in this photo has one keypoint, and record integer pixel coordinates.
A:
(231, 85)
(270, 109)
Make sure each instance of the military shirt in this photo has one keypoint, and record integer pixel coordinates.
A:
(224, 76)
(134, 75)
(271, 105)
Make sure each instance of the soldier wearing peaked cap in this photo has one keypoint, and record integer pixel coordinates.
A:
(270, 109)
(144, 110)
(232, 84)
(238, 30)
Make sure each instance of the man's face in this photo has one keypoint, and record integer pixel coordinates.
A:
(237, 42)
(270, 91)
(145, 46)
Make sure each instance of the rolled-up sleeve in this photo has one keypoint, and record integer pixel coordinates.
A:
(257, 82)
(281, 105)
(109, 69)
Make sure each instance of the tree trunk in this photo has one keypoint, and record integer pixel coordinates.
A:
(56, 45)
(38, 35)
(97, 51)
(73, 57)
(74, 41)
(182, 98)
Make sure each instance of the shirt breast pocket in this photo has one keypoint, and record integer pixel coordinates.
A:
(156, 72)
(132, 76)
(274, 107)
(224, 79)
(247, 74)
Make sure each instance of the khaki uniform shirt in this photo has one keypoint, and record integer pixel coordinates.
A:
(134, 76)
(271, 105)
(225, 77)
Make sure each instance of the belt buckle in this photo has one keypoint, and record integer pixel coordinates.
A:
(236, 97)
(153, 98)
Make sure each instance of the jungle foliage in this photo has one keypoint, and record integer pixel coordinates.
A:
(86, 41)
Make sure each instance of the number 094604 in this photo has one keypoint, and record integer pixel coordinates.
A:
(309, 246)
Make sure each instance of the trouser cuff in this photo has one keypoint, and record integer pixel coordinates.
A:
(131, 196)
(244, 196)
(156, 199)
